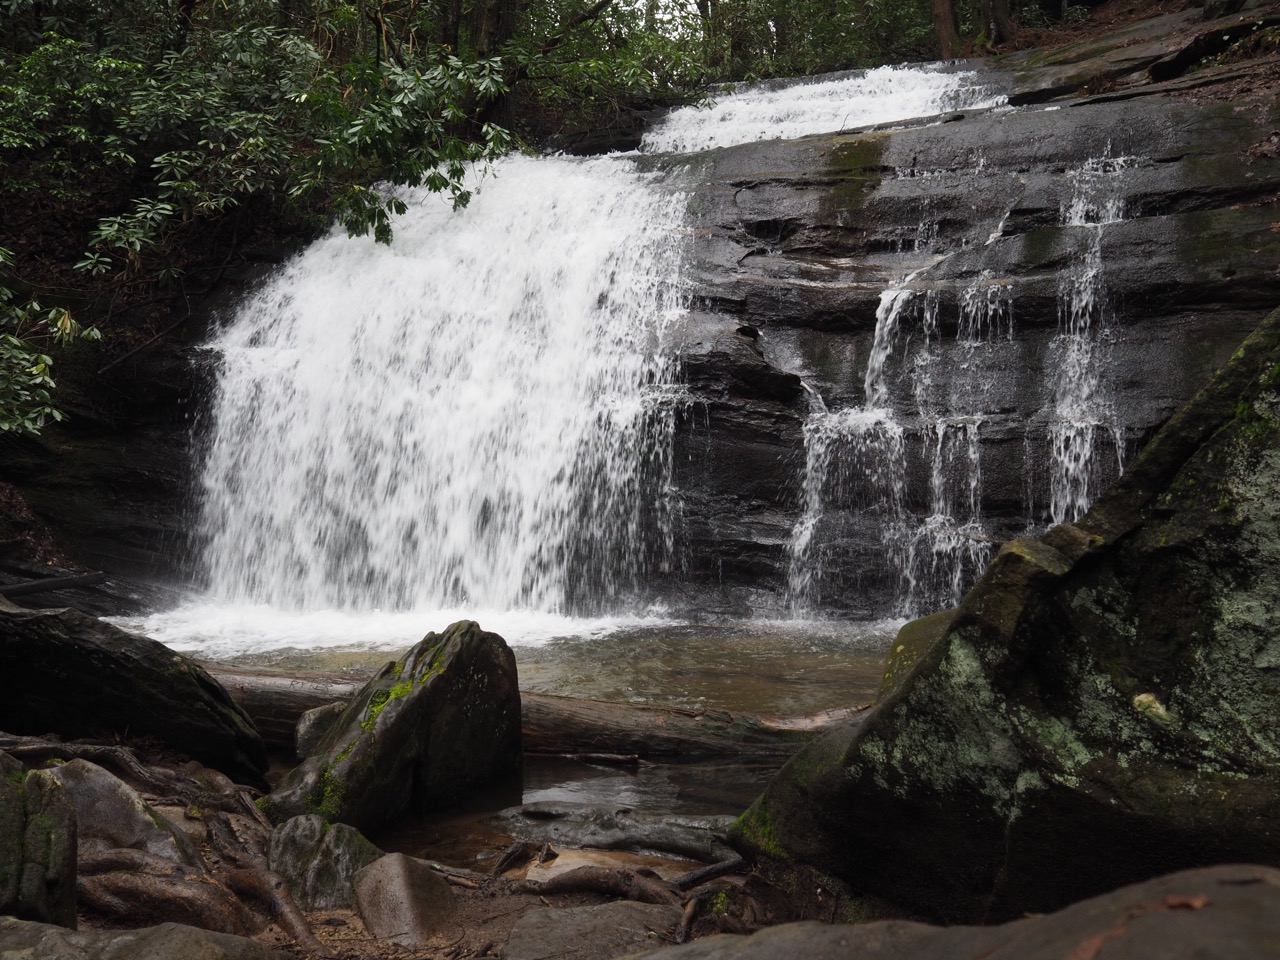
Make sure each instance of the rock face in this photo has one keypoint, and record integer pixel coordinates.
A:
(997, 219)
(424, 733)
(1098, 709)
(66, 673)
(1226, 912)
(37, 846)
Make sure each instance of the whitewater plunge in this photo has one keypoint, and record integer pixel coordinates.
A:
(477, 420)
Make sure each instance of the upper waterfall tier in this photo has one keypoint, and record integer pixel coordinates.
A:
(784, 111)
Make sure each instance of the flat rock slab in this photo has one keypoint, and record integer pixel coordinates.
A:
(590, 933)
(168, 941)
(1224, 912)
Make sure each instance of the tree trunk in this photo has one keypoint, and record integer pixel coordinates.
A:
(944, 27)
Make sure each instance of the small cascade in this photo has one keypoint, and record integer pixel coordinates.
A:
(1083, 420)
(858, 460)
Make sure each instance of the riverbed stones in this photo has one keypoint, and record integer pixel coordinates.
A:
(64, 672)
(37, 846)
(167, 941)
(425, 733)
(402, 899)
(1226, 912)
(1100, 708)
(319, 860)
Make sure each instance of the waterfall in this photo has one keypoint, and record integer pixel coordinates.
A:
(1083, 417)
(478, 419)
(478, 415)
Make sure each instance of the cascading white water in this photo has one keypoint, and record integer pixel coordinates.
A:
(478, 415)
(934, 557)
(882, 95)
(1083, 414)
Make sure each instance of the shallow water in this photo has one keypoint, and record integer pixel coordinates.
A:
(785, 668)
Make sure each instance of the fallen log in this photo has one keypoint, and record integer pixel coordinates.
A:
(551, 725)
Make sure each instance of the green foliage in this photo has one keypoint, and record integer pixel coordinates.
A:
(26, 381)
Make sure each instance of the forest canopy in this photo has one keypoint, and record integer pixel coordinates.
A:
(153, 136)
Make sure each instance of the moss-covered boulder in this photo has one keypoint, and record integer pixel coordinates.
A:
(426, 732)
(64, 672)
(1101, 708)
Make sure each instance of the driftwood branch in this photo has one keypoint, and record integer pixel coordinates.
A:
(711, 872)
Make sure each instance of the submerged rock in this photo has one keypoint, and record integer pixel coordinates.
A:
(37, 847)
(424, 733)
(64, 672)
(1099, 709)
(1225, 912)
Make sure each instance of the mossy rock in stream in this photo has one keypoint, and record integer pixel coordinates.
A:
(1101, 707)
(425, 733)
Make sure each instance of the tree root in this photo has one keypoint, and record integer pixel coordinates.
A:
(611, 882)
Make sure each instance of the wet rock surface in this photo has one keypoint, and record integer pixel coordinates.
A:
(1097, 710)
(319, 861)
(616, 828)
(798, 241)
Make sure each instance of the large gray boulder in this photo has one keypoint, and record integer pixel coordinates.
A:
(1224, 913)
(1100, 708)
(37, 846)
(424, 733)
(167, 941)
(64, 672)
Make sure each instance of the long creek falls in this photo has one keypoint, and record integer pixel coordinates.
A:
(730, 406)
